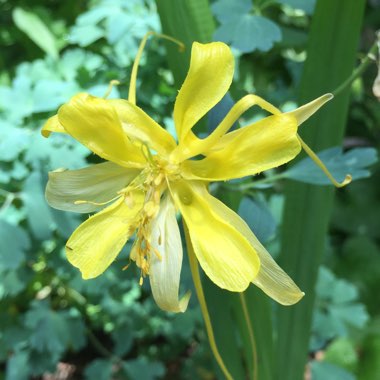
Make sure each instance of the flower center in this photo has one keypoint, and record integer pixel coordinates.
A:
(153, 181)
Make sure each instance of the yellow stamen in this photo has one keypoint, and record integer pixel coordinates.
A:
(113, 82)
(323, 167)
(132, 84)
(81, 202)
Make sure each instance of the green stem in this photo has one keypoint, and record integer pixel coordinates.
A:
(251, 335)
(358, 71)
(251, 185)
(202, 301)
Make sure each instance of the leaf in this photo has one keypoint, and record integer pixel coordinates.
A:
(337, 308)
(327, 371)
(123, 339)
(58, 151)
(333, 38)
(85, 35)
(354, 162)
(48, 328)
(11, 284)
(226, 10)
(13, 141)
(99, 369)
(38, 213)
(342, 352)
(17, 366)
(76, 329)
(36, 30)
(218, 113)
(40, 362)
(142, 368)
(248, 33)
(258, 217)
(14, 242)
(306, 5)
(354, 315)
(49, 94)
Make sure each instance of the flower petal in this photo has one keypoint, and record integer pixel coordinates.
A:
(208, 79)
(164, 272)
(304, 112)
(222, 251)
(95, 244)
(195, 146)
(95, 123)
(139, 126)
(271, 278)
(52, 125)
(98, 183)
(266, 144)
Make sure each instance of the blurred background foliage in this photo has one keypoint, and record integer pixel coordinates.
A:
(55, 325)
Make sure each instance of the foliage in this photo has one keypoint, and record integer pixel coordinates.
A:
(109, 327)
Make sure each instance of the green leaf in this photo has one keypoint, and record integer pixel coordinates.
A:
(36, 30)
(354, 162)
(11, 284)
(327, 371)
(76, 329)
(331, 57)
(142, 368)
(13, 141)
(85, 35)
(337, 308)
(58, 151)
(226, 10)
(258, 217)
(99, 369)
(17, 366)
(14, 242)
(342, 352)
(48, 329)
(248, 33)
(123, 339)
(369, 367)
(306, 5)
(38, 213)
(187, 21)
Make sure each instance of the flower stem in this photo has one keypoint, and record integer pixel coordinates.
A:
(251, 335)
(358, 71)
(202, 301)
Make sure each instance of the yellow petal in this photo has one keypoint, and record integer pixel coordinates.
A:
(52, 125)
(222, 251)
(263, 145)
(139, 126)
(271, 278)
(304, 112)
(208, 79)
(95, 184)
(165, 270)
(94, 122)
(195, 146)
(95, 244)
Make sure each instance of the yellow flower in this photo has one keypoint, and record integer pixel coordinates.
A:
(147, 176)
